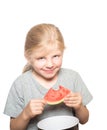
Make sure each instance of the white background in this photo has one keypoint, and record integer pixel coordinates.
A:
(83, 24)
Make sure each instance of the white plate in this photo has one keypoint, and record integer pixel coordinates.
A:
(58, 123)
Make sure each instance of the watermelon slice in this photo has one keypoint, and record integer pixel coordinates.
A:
(54, 97)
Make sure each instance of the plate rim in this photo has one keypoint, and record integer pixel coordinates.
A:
(77, 120)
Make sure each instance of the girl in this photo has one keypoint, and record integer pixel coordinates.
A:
(44, 48)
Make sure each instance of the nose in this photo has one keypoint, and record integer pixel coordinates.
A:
(49, 63)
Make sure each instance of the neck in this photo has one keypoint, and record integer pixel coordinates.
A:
(45, 82)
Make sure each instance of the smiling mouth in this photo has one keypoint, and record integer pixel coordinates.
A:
(49, 71)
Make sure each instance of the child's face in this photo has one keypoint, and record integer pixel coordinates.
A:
(46, 64)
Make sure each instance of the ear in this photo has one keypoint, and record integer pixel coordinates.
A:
(27, 57)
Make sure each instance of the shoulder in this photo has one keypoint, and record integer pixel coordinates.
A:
(68, 74)
(22, 80)
(24, 76)
(66, 71)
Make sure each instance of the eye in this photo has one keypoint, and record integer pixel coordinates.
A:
(56, 56)
(41, 58)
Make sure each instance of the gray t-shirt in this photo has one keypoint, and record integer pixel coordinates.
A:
(25, 88)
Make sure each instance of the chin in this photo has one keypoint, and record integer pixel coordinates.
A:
(48, 77)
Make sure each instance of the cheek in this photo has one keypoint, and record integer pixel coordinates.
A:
(39, 64)
(58, 62)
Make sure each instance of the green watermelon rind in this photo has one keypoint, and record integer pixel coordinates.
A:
(55, 102)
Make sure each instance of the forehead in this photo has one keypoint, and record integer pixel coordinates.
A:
(46, 50)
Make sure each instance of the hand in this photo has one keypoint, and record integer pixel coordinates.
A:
(73, 100)
(34, 107)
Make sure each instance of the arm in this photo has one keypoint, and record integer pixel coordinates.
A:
(82, 114)
(19, 123)
(34, 107)
(74, 100)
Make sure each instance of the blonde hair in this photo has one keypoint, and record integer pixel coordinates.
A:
(37, 34)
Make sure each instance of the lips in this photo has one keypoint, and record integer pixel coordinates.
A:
(48, 71)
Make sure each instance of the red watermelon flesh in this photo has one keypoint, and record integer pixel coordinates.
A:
(53, 96)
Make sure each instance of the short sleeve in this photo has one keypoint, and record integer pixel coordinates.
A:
(15, 103)
(82, 88)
